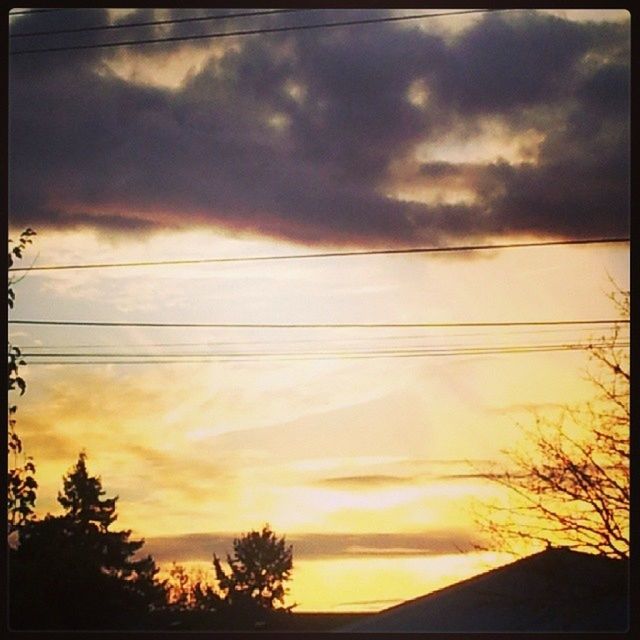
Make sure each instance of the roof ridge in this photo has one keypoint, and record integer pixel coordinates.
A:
(490, 572)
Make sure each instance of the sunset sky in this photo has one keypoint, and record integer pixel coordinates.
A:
(363, 445)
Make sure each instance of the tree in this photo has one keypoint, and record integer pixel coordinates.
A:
(73, 572)
(21, 483)
(570, 486)
(260, 566)
(189, 591)
(26, 238)
(81, 497)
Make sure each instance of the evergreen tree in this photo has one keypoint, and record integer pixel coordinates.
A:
(72, 572)
(81, 498)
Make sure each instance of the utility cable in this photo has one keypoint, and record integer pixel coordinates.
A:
(247, 32)
(313, 325)
(151, 23)
(333, 254)
(28, 11)
(325, 340)
(568, 348)
(392, 351)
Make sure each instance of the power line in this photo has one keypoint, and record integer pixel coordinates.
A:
(306, 27)
(151, 23)
(65, 9)
(391, 351)
(28, 11)
(333, 254)
(458, 353)
(324, 340)
(314, 325)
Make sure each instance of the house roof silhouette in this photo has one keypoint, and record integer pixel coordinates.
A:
(554, 590)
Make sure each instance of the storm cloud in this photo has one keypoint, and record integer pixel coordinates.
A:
(310, 135)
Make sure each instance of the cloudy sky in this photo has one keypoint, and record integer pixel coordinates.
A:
(363, 445)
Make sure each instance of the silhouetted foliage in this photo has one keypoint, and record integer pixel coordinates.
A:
(21, 489)
(249, 597)
(570, 486)
(191, 591)
(72, 572)
(21, 483)
(259, 567)
(16, 253)
(81, 498)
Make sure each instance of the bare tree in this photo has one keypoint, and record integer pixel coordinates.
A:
(568, 482)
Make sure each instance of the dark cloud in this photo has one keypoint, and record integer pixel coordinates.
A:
(608, 89)
(201, 547)
(295, 135)
(503, 64)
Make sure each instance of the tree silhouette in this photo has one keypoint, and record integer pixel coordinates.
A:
(191, 590)
(81, 498)
(72, 572)
(259, 567)
(570, 485)
(21, 483)
(16, 253)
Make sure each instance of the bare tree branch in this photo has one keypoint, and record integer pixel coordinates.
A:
(568, 483)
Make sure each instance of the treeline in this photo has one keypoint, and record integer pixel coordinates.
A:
(74, 572)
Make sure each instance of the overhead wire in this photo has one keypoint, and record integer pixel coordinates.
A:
(233, 354)
(324, 340)
(26, 12)
(150, 23)
(313, 325)
(243, 359)
(247, 32)
(331, 254)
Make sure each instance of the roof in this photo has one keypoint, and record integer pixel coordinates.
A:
(554, 590)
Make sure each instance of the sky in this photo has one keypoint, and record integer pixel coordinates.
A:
(364, 446)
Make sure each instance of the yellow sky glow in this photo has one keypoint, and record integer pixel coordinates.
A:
(308, 446)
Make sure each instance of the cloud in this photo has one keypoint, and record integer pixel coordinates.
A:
(376, 482)
(295, 135)
(373, 604)
(306, 546)
(366, 481)
(507, 64)
(530, 409)
(134, 438)
(463, 476)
